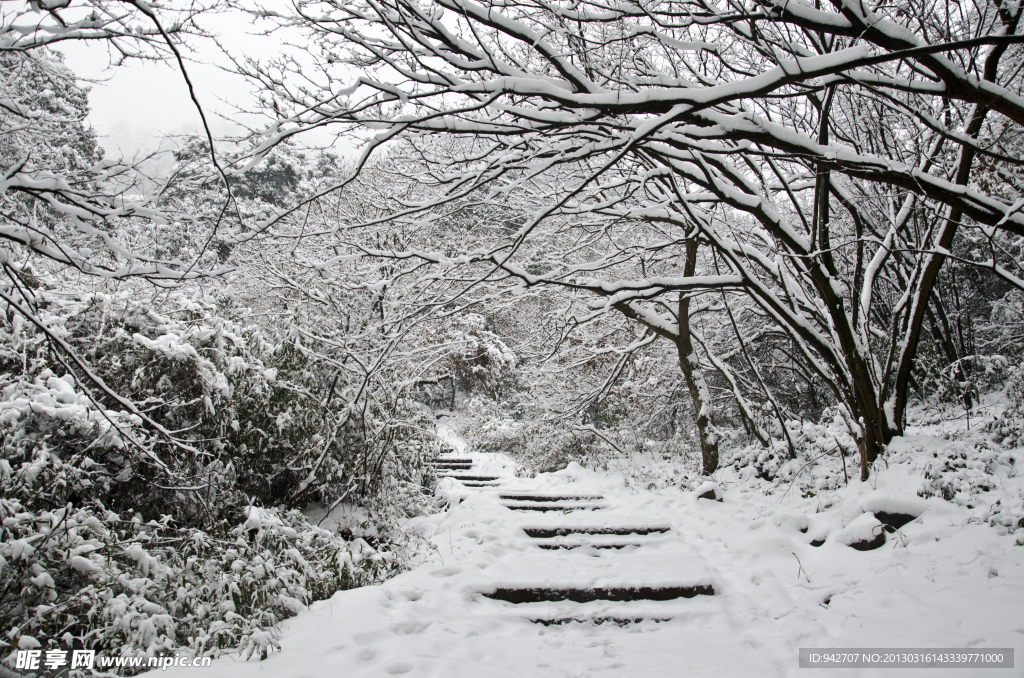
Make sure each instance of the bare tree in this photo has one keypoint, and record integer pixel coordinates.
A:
(822, 154)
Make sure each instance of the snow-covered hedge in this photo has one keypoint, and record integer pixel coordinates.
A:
(76, 574)
(87, 578)
(823, 446)
(117, 538)
(255, 414)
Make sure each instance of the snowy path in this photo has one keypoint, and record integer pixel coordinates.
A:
(614, 583)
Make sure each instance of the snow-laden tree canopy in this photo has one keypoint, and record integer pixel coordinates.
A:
(762, 184)
(807, 166)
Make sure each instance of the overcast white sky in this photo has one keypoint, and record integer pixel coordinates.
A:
(136, 104)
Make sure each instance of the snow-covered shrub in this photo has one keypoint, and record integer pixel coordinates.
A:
(1007, 429)
(971, 471)
(1007, 515)
(487, 428)
(960, 473)
(650, 470)
(551, 447)
(86, 578)
(405, 479)
(246, 406)
(74, 572)
(962, 382)
(196, 564)
(478, 358)
(821, 451)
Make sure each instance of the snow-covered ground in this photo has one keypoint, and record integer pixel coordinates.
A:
(946, 579)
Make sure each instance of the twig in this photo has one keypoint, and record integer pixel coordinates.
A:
(842, 455)
(801, 569)
(333, 506)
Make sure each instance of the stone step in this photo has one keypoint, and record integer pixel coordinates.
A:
(451, 465)
(476, 479)
(554, 507)
(488, 483)
(451, 460)
(586, 595)
(552, 497)
(556, 546)
(597, 621)
(548, 532)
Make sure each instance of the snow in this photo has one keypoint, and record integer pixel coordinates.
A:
(83, 565)
(893, 501)
(28, 643)
(792, 520)
(941, 580)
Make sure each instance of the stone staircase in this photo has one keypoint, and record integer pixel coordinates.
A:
(593, 580)
(545, 591)
(453, 467)
(551, 502)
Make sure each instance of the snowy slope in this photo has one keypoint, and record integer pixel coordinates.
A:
(938, 581)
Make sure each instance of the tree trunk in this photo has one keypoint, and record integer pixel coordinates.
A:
(693, 374)
(875, 430)
(873, 436)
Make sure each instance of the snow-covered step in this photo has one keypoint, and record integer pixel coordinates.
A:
(486, 483)
(599, 541)
(619, 593)
(534, 501)
(553, 506)
(475, 479)
(547, 531)
(604, 541)
(565, 546)
(452, 465)
(522, 496)
(617, 613)
(604, 619)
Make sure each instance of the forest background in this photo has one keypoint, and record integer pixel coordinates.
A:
(708, 235)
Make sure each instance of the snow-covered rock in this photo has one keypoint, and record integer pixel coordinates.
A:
(709, 490)
(865, 533)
